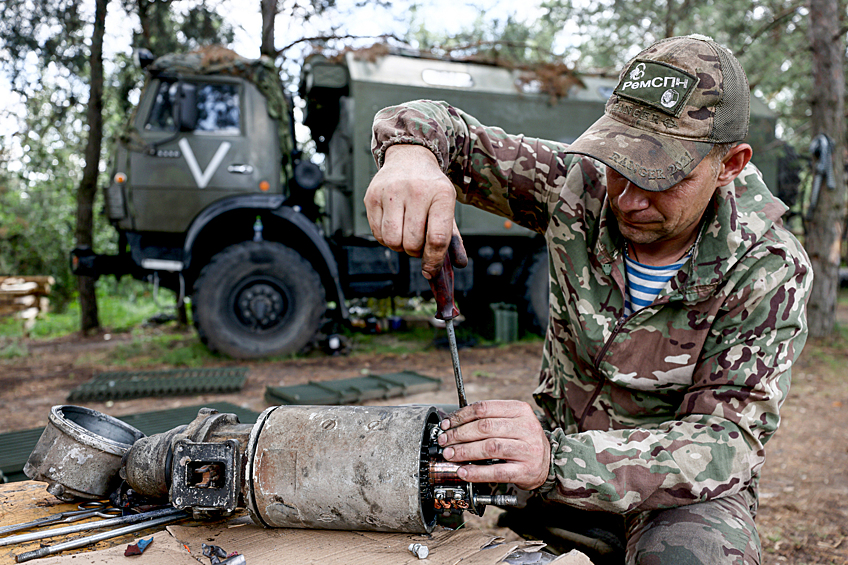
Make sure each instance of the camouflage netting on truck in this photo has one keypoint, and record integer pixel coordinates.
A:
(262, 72)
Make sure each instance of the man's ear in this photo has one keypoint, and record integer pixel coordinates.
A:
(733, 163)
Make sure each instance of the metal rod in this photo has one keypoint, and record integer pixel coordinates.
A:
(457, 372)
(69, 516)
(82, 542)
(496, 499)
(131, 519)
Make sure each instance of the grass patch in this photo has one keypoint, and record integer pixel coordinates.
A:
(125, 306)
(410, 341)
(11, 348)
(172, 349)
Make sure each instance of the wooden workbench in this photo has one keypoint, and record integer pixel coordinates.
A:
(28, 500)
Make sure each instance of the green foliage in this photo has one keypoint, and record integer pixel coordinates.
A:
(44, 53)
(54, 31)
(509, 41)
(770, 38)
(38, 198)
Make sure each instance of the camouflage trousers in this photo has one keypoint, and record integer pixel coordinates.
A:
(720, 531)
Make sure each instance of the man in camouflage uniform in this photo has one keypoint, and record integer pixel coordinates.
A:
(659, 415)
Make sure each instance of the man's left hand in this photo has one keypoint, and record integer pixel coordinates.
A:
(498, 429)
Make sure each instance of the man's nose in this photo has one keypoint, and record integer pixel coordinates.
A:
(633, 198)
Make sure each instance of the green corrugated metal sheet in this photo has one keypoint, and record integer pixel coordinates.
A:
(356, 389)
(15, 447)
(173, 382)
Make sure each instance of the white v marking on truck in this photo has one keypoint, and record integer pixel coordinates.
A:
(202, 178)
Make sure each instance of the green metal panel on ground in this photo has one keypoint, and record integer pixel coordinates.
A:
(356, 389)
(15, 447)
(124, 385)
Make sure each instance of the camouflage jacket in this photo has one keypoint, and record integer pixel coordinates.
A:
(671, 405)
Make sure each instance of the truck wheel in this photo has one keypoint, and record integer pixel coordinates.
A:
(257, 299)
(537, 291)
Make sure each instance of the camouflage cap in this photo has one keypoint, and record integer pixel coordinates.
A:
(674, 101)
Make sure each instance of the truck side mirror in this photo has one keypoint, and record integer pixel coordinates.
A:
(184, 106)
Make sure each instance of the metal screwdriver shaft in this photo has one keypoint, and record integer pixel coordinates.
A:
(442, 287)
(457, 372)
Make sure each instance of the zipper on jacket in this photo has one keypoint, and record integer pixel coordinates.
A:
(598, 360)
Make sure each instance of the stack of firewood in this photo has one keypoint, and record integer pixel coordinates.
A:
(25, 297)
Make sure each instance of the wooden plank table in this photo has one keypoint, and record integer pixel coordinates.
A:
(28, 500)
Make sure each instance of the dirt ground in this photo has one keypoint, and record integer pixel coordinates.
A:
(803, 515)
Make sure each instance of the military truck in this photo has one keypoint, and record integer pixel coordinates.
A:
(211, 196)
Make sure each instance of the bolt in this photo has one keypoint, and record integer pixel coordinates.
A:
(419, 550)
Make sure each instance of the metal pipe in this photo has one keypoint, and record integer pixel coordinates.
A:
(131, 519)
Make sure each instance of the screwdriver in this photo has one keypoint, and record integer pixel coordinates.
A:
(442, 287)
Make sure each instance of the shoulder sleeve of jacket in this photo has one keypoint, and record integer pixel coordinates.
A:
(509, 175)
(714, 446)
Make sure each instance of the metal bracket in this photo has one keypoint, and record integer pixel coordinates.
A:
(206, 476)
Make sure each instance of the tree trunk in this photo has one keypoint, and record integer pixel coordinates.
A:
(269, 15)
(88, 186)
(824, 231)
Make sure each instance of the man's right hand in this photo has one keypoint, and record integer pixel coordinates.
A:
(410, 205)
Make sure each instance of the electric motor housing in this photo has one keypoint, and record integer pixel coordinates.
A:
(342, 468)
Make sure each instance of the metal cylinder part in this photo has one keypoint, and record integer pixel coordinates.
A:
(147, 466)
(340, 467)
(79, 453)
(444, 473)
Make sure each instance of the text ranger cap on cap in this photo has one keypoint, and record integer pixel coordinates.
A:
(674, 101)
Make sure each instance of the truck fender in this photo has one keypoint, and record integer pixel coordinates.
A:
(316, 236)
(274, 204)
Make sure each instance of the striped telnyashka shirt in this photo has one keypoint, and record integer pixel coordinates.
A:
(644, 282)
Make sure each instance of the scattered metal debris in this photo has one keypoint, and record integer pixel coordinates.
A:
(218, 556)
(419, 550)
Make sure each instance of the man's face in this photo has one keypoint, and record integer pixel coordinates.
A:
(672, 215)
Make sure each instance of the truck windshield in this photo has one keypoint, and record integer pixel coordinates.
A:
(217, 108)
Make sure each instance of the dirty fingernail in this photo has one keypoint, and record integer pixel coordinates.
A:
(443, 439)
(445, 424)
(448, 453)
(463, 474)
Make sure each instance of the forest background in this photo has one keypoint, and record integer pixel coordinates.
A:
(64, 100)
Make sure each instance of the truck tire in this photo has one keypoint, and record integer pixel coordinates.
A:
(257, 299)
(537, 292)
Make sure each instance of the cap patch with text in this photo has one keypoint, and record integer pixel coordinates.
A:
(657, 85)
